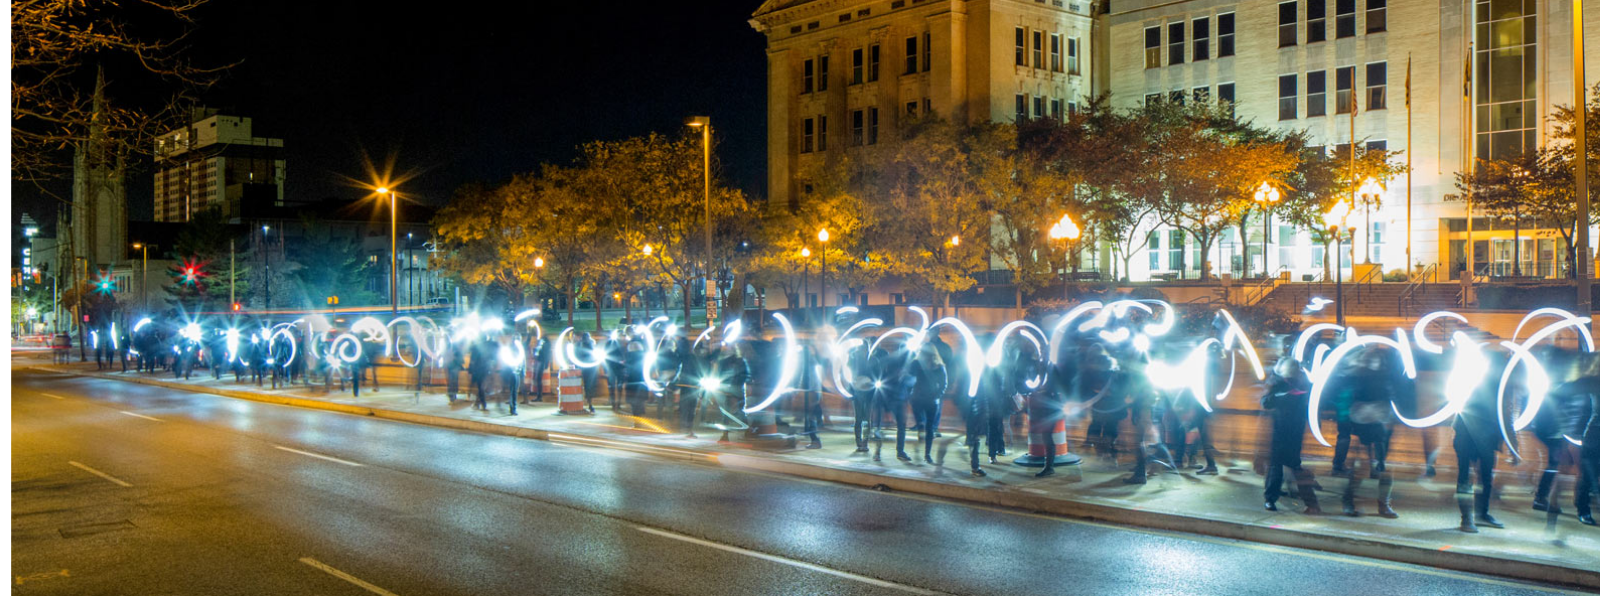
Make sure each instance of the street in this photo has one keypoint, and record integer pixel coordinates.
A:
(133, 489)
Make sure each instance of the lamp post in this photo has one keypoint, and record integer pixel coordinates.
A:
(704, 124)
(1067, 230)
(144, 275)
(822, 238)
(1266, 196)
(1370, 191)
(394, 263)
(266, 256)
(805, 280)
(1335, 220)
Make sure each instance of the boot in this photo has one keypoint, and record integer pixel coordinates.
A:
(1385, 489)
(1139, 468)
(1308, 495)
(1465, 504)
(976, 471)
(1211, 467)
(1484, 519)
(1049, 461)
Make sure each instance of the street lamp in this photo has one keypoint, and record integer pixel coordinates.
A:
(394, 263)
(266, 256)
(1370, 191)
(805, 280)
(648, 251)
(1335, 220)
(1266, 196)
(704, 124)
(822, 237)
(538, 262)
(955, 241)
(1067, 230)
(144, 276)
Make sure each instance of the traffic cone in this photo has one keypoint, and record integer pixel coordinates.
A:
(1037, 446)
(569, 392)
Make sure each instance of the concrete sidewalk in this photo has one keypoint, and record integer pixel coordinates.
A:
(1228, 505)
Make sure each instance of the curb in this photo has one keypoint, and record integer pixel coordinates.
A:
(998, 497)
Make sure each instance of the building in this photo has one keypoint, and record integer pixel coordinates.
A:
(216, 162)
(1303, 64)
(846, 73)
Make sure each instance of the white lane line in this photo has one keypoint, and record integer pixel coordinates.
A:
(104, 475)
(318, 456)
(51, 395)
(786, 561)
(346, 577)
(140, 416)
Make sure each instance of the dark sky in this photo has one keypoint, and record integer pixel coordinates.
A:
(479, 94)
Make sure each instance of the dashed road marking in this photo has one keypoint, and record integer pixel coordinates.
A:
(140, 416)
(345, 576)
(786, 561)
(104, 475)
(319, 456)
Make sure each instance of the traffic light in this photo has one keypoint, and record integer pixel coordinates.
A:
(236, 307)
(190, 273)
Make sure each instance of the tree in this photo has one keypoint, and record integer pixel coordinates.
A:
(571, 233)
(833, 202)
(329, 265)
(1026, 192)
(485, 236)
(209, 265)
(1321, 180)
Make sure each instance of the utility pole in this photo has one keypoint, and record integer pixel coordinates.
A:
(1581, 150)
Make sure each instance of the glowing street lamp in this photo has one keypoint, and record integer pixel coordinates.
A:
(805, 273)
(1266, 196)
(394, 263)
(647, 250)
(1370, 191)
(955, 241)
(822, 237)
(538, 262)
(1068, 230)
(1335, 221)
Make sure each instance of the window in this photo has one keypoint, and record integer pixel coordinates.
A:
(1224, 35)
(822, 133)
(1344, 87)
(1344, 20)
(856, 66)
(911, 55)
(1022, 47)
(1316, 21)
(1175, 43)
(1055, 109)
(1202, 95)
(807, 135)
(1377, 16)
(1072, 55)
(808, 76)
(1038, 49)
(1152, 47)
(1287, 90)
(1022, 107)
(1316, 94)
(1072, 107)
(872, 126)
(1055, 52)
(1151, 99)
(1202, 39)
(857, 128)
(1288, 21)
(1038, 107)
(863, 12)
(1225, 94)
(1286, 245)
(872, 63)
(1175, 250)
(911, 109)
(927, 52)
(844, 18)
(927, 106)
(822, 73)
(1506, 79)
(1176, 96)
(1377, 145)
(1155, 251)
(1377, 85)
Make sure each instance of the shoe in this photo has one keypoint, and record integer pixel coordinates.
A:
(993, 460)
(1003, 453)
(1047, 472)
(861, 450)
(810, 446)
(1208, 471)
(937, 434)
(978, 472)
(1339, 470)
(1430, 472)
(1386, 512)
(1586, 519)
(1468, 527)
(1540, 506)
(1271, 506)
(877, 457)
(1137, 479)
(1484, 519)
(1313, 510)
(1373, 472)
(929, 460)
(902, 456)
(1351, 511)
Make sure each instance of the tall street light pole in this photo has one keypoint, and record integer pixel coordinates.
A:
(1266, 196)
(1579, 91)
(822, 237)
(144, 276)
(394, 262)
(1067, 230)
(1335, 220)
(704, 124)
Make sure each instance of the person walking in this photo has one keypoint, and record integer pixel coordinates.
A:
(543, 355)
(1365, 410)
(478, 366)
(929, 379)
(634, 390)
(696, 381)
(511, 369)
(1477, 444)
(584, 350)
(893, 389)
(811, 387)
(614, 368)
(454, 359)
(1286, 397)
(981, 424)
(862, 380)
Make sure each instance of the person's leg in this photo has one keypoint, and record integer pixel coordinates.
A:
(1486, 492)
(686, 410)
(512, 385)
(1307, 486)
(1464, 497)
(1552, 465)
(1274, 482)
(900, 431)
(1588, 474)
(1351, 485)
(1206, 447)
(452, 383)
(1341, 448)
(863, 416)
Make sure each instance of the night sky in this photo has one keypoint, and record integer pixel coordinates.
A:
(476, 95)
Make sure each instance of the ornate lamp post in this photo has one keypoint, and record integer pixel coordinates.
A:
(1067, 230)
(1335, 220)
(1266, 196)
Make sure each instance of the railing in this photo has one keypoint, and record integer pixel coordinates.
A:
(1258, 291)
(1362, 286)
(1408, 296)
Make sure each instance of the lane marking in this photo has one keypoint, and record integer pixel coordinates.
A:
(318, 456)
(140, 416)
(104, 475)
(786, 561)
(51, 395)
(345, 576)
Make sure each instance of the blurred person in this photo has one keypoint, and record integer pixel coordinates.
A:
(862, 379)
(1286, 397)
(615, 355)
(696, 382)
(893, 388)
(1477, 444)
(1365, 410)
(584, 350)
(929, 378)
(479, 364)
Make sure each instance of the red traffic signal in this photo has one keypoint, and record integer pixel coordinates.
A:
(236, 307)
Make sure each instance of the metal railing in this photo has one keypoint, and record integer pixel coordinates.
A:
(1362, 286)
(1258, 291)
(1408, 297)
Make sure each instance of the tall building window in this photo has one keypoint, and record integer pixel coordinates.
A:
(1377, 85)
(1344, 18)
(808, 76)
(822, 133)
(1287, 91)
(1022, 47)
(856, 66)
(1038, 106)
(927, 51)
(1316, 94)
(1176, 96)
(822, 73)
(1175, 43)
(857, 128)
(911, 55)
(1377, 16)
(1038, 49)
(1224, 35)
(1152, 47)
(1175, 250)
(872, 125)
(872, 62)
(1072, 55)
(1288, 21)
(1151, 99)
(1225, 96)
(1055, 52)
(1202, 38)
(1155, 251)
(1202, 95)
(1316, 21)
(1344, 88)
(1055, 109)
(808, 131)
(1022, 107)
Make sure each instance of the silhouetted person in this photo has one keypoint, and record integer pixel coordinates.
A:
(1288, 391)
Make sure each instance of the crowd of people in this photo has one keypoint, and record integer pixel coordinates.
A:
(904, 380)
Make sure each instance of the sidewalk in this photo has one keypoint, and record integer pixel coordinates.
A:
(1227, 505)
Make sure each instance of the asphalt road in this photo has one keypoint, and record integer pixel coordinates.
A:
(120, 488)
